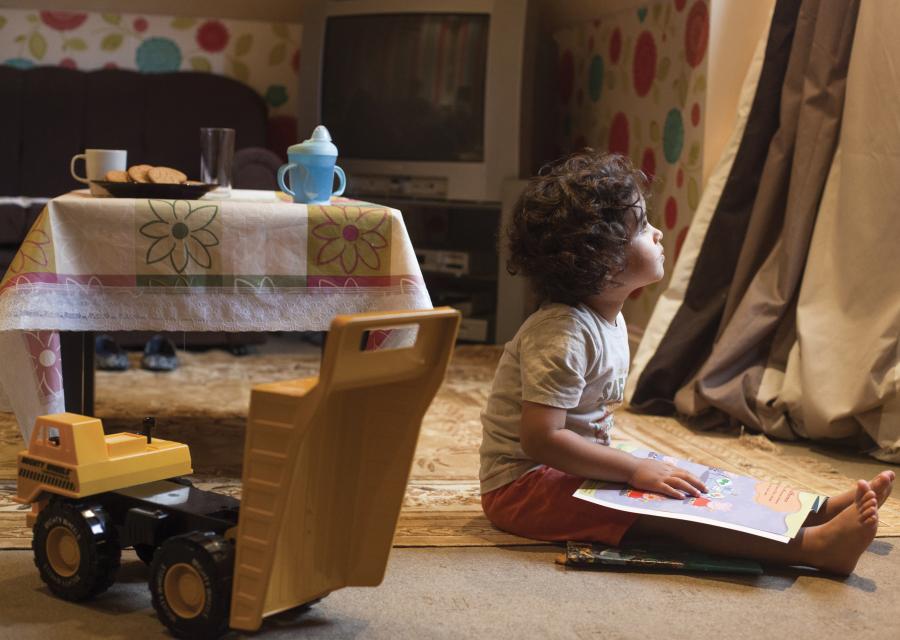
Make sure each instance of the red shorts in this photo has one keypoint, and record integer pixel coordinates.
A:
(540, 505)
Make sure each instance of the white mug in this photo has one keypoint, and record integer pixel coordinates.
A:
(98, 162)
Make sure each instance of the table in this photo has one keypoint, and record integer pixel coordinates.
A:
(251, 262)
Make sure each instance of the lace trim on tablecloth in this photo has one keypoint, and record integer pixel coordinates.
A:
(49, 307)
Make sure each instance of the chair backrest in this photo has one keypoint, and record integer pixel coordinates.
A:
(327, 459)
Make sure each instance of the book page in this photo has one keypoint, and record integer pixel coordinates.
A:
(732, 501)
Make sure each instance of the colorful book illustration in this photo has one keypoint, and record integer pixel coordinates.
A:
(732, 501)
(598, 556)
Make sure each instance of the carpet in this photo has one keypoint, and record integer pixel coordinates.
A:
(204, 403)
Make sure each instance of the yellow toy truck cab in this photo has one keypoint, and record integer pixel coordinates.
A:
(69, 455)
(326, 462)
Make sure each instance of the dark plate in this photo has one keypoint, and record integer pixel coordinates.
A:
(150, 190)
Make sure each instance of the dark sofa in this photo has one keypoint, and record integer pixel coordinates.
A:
(49, 114)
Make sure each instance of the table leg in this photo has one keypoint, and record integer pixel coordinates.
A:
(77, 351)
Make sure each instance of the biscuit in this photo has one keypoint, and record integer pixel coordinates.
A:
(138, 173)
(114, 175)
(166, 175)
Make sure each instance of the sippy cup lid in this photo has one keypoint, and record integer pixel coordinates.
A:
(319, 143)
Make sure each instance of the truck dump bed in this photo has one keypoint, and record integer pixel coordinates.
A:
(326, 462)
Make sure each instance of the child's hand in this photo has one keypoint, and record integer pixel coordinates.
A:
(669, 480)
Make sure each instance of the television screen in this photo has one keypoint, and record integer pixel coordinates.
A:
(406, 86)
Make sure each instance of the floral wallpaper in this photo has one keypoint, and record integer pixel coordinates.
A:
(263, 55)
(634, 82)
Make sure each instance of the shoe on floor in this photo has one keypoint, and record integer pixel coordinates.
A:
(108, 355)
(159, 354)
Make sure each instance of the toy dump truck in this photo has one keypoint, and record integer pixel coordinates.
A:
(326, 461)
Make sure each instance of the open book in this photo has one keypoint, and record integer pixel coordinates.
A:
(732, 501)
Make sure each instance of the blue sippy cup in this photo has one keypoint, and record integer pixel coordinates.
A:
(312, 167)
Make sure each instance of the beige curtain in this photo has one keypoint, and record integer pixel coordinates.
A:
(842, 373)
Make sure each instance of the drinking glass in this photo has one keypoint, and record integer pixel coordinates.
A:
(216, 156)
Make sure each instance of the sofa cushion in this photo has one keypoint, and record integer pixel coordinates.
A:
(115, 116)
(12, 222)
(11, 81)
(49, 114)
(179, 104)
(15, 221)
(53, 115)
(256, 168)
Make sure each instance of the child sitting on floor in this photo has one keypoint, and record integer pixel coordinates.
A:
(580, 234)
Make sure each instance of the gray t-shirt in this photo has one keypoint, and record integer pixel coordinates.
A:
(562, 356)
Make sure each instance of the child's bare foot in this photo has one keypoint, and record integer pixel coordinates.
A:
(837, 545)
(881, 484)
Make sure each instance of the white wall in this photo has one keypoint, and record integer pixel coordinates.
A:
(735, 29)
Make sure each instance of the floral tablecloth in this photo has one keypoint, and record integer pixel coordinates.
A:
(252, 262)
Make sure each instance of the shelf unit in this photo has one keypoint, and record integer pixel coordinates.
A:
(456, 243)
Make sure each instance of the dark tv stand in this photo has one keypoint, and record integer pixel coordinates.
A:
(456, 244)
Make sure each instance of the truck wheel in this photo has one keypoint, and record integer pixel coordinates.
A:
(190, 584)
(75, 550)
(145, 552)
(306, 606)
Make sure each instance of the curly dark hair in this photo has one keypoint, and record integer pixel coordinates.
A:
(571, 226)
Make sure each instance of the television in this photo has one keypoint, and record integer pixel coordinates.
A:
(429, 100)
